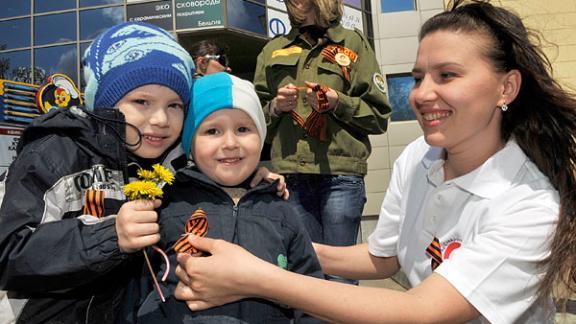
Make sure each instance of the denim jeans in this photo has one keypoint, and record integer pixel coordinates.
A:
(330, 207)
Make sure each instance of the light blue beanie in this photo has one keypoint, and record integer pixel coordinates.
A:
(221, 91)
(131, 55)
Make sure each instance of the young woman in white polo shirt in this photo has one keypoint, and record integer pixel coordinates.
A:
(480, 211)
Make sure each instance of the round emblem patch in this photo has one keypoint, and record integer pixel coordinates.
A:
(379, 82)
(342, 59)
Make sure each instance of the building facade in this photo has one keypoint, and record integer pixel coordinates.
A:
(42, 37)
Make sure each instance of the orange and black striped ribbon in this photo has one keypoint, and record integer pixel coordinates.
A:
(94, 203)
(317, 122)
(197, 224)
(434, 250)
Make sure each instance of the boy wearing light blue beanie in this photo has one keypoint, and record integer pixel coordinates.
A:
(67, 234)
(223, 134)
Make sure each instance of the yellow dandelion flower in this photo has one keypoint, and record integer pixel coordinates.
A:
(163, 174)
(146, 175)
(142, 190)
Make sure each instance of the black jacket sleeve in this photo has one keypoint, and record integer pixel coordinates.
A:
(42, 247)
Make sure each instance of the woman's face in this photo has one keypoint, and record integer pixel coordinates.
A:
(457, 91)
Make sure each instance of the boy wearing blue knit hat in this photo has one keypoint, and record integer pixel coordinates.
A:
(67, 234)
(223, 134)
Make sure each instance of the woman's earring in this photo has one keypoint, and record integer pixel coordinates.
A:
(504, 107)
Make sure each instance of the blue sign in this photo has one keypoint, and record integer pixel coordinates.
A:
(277, 27)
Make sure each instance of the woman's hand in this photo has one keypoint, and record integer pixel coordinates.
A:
(263, 174)
(285, 100)
(312, 99)
(228, 274)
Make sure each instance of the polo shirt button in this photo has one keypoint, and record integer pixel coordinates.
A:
(302, 163)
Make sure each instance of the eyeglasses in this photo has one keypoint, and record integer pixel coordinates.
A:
(221, 58)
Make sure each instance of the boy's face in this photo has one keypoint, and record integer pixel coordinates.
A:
(158, 113)
(227, 146)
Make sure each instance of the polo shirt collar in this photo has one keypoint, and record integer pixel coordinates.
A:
(489, 180)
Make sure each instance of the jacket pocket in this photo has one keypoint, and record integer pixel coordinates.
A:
(282, 70)
(331, 74)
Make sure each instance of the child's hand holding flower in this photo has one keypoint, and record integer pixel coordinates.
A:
(137, 221)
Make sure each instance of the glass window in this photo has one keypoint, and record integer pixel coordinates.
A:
(15, 65)
(55, 28)
(51, 5)
(89, 3)
(367, 5)
(399, 87)
(12, 8)
(15, 33)
(94, 22)
(56, 59)
(354, 3)
(369, 27)
(247, 16)
(83, 47)
(397, 5)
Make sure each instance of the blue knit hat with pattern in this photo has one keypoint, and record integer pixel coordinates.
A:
(218, 91)
(131, 55)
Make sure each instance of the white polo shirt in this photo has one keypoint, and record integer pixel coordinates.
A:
(494, 225)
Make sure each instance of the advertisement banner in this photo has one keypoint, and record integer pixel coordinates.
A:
(352, 18)
(278, 23)
(157, 13)
(9, 137)
(278, 4)
(199, 13)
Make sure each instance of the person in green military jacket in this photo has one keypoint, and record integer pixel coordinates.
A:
(323, 94)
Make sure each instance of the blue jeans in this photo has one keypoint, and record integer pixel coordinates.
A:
(330, 207)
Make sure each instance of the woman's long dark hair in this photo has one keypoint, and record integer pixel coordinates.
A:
(542, 119)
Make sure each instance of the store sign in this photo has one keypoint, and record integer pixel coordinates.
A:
(278, 23)
(156, 13)
(352, 18)
(9, 137)
(278, 4)
(199, 13)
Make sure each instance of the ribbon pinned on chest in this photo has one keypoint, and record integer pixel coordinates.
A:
(197, 225)
(342, 56)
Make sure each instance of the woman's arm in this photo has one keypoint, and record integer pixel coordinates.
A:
(231, 273)
(354, 262)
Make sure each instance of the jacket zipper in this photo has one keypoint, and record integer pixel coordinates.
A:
(88, 309)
